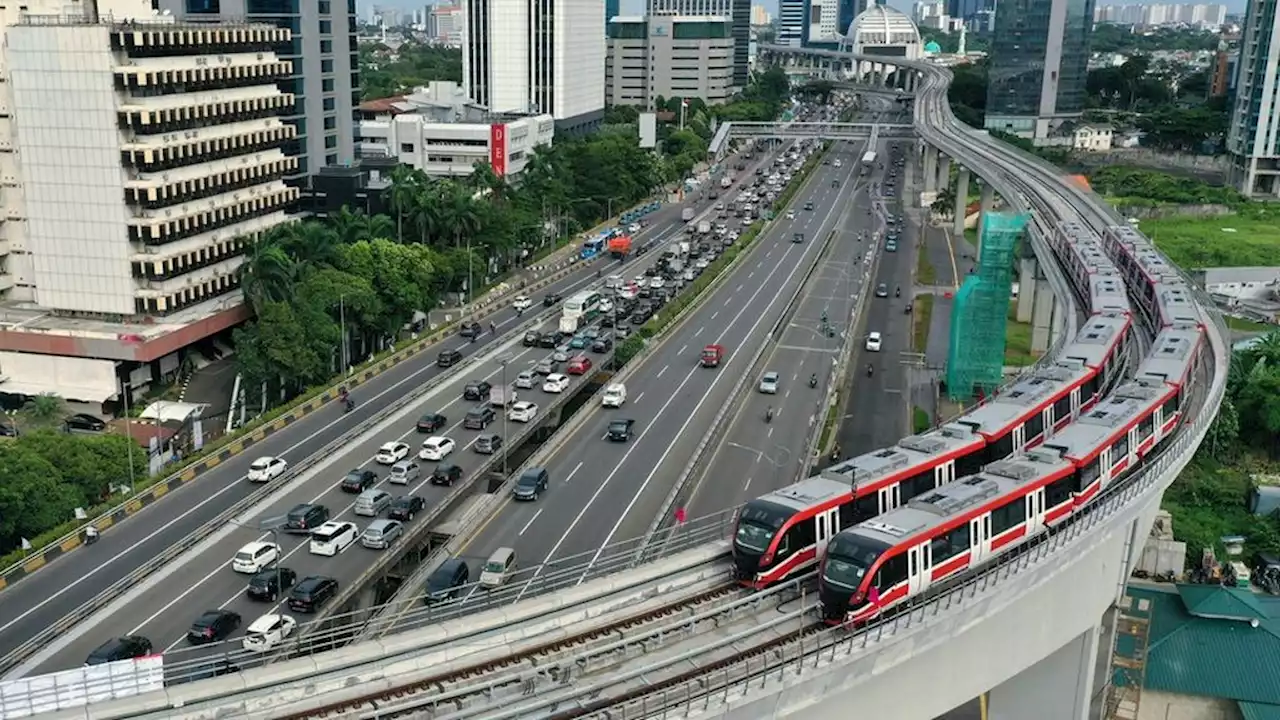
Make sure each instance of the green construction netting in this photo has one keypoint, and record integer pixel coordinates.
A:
(979, 314)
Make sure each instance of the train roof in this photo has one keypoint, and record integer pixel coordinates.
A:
(1107, 292)
(1176, 304)
(807, 493)
(942, 506)
(1095, 428)
(1172, 354)
(1095, 341)
(1025, 397)
(910, 452)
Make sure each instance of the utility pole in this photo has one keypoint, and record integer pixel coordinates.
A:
(342, 325)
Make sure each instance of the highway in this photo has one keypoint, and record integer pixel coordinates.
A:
(602, 491)
(165, 605)
(754, 457)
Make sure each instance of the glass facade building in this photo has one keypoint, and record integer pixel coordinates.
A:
(1253, 138)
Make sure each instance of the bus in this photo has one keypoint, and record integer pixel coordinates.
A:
(593, 246)
(868, 161)
(583, 307)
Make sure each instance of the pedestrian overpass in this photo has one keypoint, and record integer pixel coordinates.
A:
(804, 131)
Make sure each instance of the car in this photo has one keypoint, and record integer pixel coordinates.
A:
(446, 474)
(406, 507)
(445, 581)
(522, 412)
(602, 345)
(882, 291)
(488, 444)
(269, 583)
(436, 447)
(431, 422)
(546, 367)
(620, 429)
(791, 214)
(769, 383)
(311, 593)
(797, 238)
(522, 302)
(404, 472)
(561, 354)
(84, 423)
(255, 556)
(476, 390)
(381, 534)
(873, 342)
(547, 341)
(555, 383)
(526, 379)
(268, 632)
(213, 626)
(267, 468)
(580, 365)
(357, 481)
(302, 517)
(332, 538)
(891, 246)
(531, 338)
(550, 299)
(578, 342)
(469, 329)
(479, 417)
(532, 483)
(121, 648)
(614, 396)
(392, 453)
(499, 567)
(808, 205)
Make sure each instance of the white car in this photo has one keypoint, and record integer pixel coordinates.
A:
(268, 632)
(555, 383)
(267, 468)
(791, 214)
(523, 412)
(333, 537)
(522, 302)
(614, 396)
(392, 453)
(255, 556)
(606, 306)
(873, 342)
(436, 447)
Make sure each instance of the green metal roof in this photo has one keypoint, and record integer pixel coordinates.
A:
(1259, 711)
(1218, 602)
(1211, 657)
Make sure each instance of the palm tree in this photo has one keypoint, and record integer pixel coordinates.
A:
(310, 244)
(945, 203)
(406, 186)
(426, 216)
(267, 273)
(461, 215)
(381, 227)
(45, 409)
(351, 226)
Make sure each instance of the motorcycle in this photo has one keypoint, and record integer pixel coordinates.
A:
(768, 415)
(908, 311)
(349, 405)
(870, 371)
(813, 381)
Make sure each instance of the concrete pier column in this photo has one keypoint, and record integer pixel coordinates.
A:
(962, 201)
(986, 199)
(1027, 287)
(944, 171)
(930, 169)
(1059, 687)
(1059, 323)
(1045, 307)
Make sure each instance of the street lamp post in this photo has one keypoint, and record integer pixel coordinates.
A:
(504, 361)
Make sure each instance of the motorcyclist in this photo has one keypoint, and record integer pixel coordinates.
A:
(897, 291)
(768, 414)
(870, 370)
(813, 380)
(493, 329)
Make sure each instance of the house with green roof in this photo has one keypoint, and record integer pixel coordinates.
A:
(1200, 652)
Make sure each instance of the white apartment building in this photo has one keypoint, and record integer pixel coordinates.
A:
(529, 57)
(439, 132)
(140, 153)
(1253, 138)
(669, 56)
(448, 23)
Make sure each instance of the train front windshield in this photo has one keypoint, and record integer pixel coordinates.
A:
(847, 562)
(758, 523)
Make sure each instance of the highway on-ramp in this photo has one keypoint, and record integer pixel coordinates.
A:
(603, 491)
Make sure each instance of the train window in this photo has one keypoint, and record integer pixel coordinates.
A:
(1120, 449)
(803, 533)
(1062, 408)
(917, 484)
(1001, 448)
(1035, 426)
(1088, 389)
(950, 545)
(1170, 407)
(866, 507)
(1007, 516)
(1087, 476)
(1144, 427)
(1058, 492)
(968, 464)
(892, 572)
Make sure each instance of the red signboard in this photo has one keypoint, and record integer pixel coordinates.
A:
(498, 149)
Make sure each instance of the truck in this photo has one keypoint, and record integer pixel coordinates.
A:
(686, 214)
(569, 324)
(726, 182)
(500, 396)
(684, 248)
(704, 227)
(620, 246)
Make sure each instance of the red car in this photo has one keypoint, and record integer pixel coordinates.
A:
(579, 365)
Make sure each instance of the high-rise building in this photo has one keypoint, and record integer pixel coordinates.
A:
(326, 69)
(669, 56)
(612, 9)
(791, 22)
(449, 23)
(146, 152)
(827, 21)
(739, 14)
(536, 57)
(1253, 139)
(760, 16)
(1038, 67)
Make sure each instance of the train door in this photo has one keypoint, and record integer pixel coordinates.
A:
(918, 568)
(979, 539)
(944, 473)
(1075, 402)
(1104, 467)
(827, 525)
(1019, 437)
(1035, 512)
(890, 498)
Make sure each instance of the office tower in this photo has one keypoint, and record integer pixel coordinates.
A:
(150, 151)
(536, 57)
(791, 15)
(739, 14)
(612, 9)
(827, 21)
(760, 16)
(1253, 139)
(1039, 61)
(669, 56)
(326, 69)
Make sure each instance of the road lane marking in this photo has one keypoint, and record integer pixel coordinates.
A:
(526, 525)
(636, 400)
(664, 369)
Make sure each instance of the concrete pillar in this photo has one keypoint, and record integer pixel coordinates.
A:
(962, 201)
(1045, 306)
(986, 200)
(1059, 323)
(1059, 687)
(930, 169)
(944, 171)
(1026, 288)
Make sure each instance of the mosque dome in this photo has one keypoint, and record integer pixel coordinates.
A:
(880, 27)
(932, 48)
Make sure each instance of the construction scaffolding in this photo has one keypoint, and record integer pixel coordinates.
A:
(979, 315)
(1128, 659)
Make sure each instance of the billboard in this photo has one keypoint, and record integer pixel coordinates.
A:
(648, 130)
(498, 149)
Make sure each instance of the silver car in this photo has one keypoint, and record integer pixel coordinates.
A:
(561, 354)
(381, 533)
(404, 472)
(526, 380)
(769, 383)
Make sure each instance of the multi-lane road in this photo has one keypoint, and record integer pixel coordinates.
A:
(602, 491)
(163, 607)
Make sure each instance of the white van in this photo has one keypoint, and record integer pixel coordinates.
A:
(614, 396)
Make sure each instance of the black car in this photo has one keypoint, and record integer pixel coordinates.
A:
(448, 358)
(405, 507)
(532, 483)
(478, 418)
(620, 429)
(532, 338)
(487, 444)
(443, 584)
(305, 517)
(213, 626)
(311, 593)
(606, 321)
(550, 299)
(268, 584)
(602, 345)
(83, 422)
(476, 390)
(547, 341)
(357, 481)
(121, 648)
(431, 422)
(446, 474)
(469, 329)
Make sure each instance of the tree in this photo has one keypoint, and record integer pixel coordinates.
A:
(45, 410)
(945, 204)
(385, 72)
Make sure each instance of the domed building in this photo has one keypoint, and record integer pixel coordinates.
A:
(932, 48)
(882, 30)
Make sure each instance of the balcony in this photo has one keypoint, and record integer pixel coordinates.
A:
(195, 182)
(173, 224)
(185, 111)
